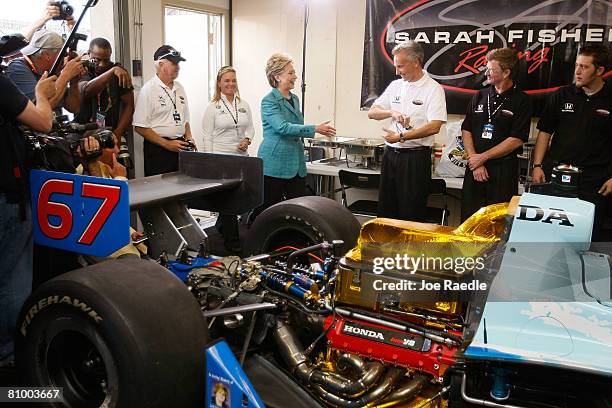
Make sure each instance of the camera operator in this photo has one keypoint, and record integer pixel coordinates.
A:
(105, 165)
(107, 94)
(15, 215)
(52, 11)
(38, 57)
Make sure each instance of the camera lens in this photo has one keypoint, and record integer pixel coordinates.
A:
(105, 138)
(66, 9)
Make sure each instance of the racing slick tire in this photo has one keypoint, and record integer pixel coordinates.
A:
(122, 333)
(301, 222)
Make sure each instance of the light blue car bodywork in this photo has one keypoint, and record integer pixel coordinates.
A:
(550, 301)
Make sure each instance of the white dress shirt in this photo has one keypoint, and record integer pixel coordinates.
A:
(220, 131)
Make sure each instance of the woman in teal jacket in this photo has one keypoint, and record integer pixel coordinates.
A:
(282, 149)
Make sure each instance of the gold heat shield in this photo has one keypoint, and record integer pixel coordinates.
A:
(387, 238)
(484, 227)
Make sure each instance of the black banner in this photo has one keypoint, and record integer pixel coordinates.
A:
(456, 35)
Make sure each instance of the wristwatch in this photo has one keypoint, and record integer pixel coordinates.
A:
(533, 166)
(402, 139)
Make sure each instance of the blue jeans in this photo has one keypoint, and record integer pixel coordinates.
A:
(15, 272)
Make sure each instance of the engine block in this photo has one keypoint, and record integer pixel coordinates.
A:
(390, 346)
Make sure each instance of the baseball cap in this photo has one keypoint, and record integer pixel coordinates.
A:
(43, 40)
(10, 44)
(168, 52)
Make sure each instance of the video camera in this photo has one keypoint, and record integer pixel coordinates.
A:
(76, 134)
(57, 150)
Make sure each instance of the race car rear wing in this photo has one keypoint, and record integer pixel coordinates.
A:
(214, 182)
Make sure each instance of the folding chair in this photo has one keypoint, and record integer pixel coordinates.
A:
(361, 181)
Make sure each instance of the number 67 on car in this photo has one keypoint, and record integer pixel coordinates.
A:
(88, 215)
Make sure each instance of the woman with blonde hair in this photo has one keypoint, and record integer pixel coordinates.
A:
(227, 123)
(282, 149)
(228, 129)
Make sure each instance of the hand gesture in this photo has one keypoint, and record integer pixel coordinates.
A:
(606, 189)
(90, 144)
(481, 174)
(325, 129)
(125, 80)
(51, 10)
(176, 145)
(117, 170)
(73, 67)
(391, 136)
(46, 86)
(243, 145)
(538, 175)
(136, 235)
(400, 118)
(476, 160)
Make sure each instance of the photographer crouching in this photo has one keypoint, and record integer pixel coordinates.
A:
(15, 214)
(107, 94)
(98, 152)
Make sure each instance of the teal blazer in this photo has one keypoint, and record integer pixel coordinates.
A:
(282, 149)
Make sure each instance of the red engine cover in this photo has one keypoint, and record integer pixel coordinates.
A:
(392, 346)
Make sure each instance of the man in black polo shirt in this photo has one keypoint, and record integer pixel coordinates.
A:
(107, 94)
(496, 124)
(579, 121)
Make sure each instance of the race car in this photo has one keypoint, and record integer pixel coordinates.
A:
(323, 312)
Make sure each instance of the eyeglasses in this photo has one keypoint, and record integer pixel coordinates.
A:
(492, 70)
(172, 53)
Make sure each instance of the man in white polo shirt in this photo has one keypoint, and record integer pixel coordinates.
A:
(417, 107)
(161, 115)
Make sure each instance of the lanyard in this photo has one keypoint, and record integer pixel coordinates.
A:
(173, 101)
(31, 65)
(235, 119)
(489, 106)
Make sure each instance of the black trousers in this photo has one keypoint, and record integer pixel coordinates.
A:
(588, 188)
(158, 160)
(500, 188)
(404, 184)
(279, 189)
(591, 180)
(227, 225)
